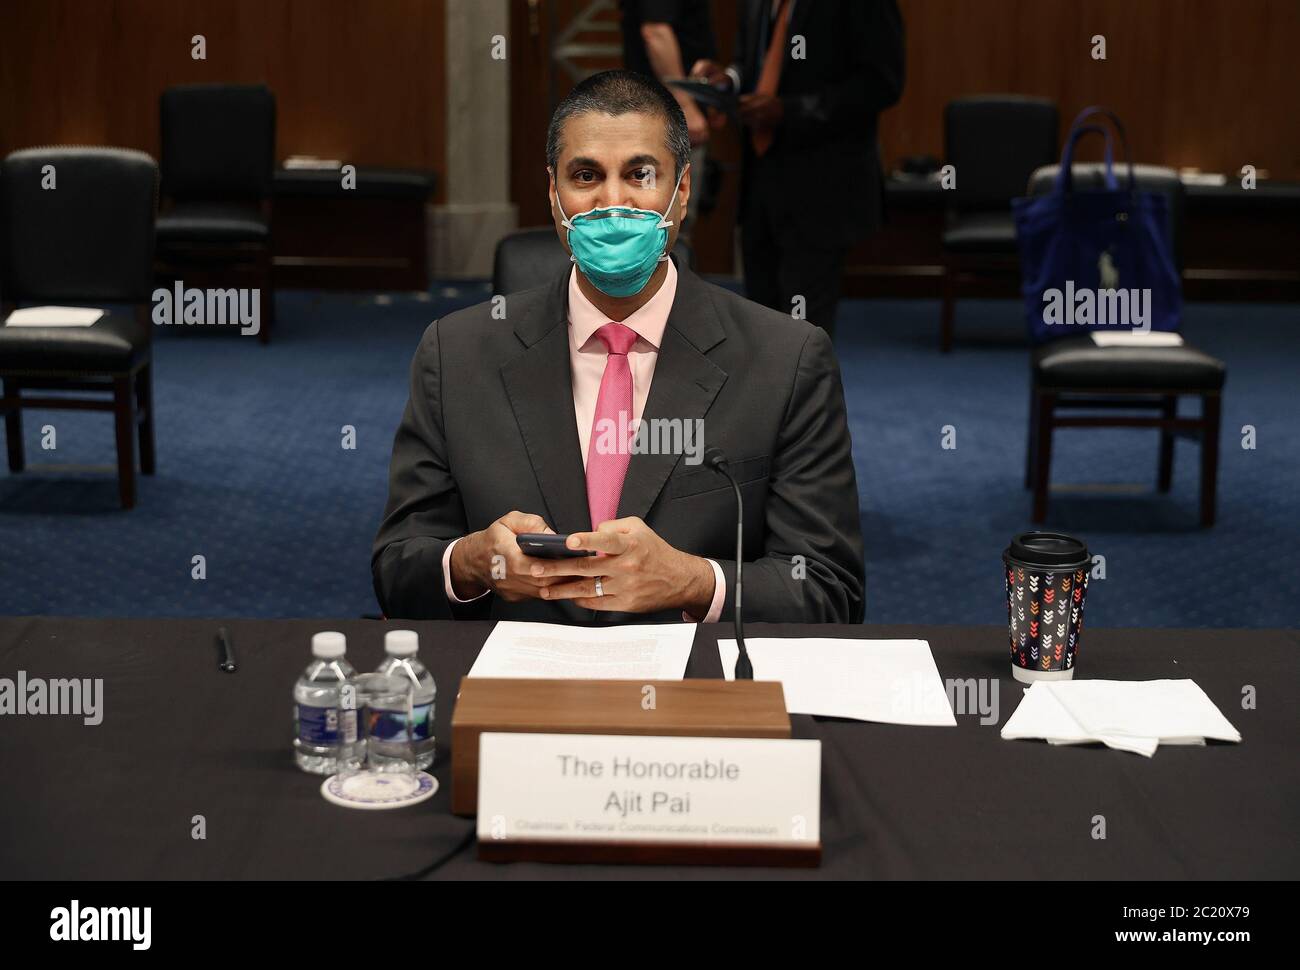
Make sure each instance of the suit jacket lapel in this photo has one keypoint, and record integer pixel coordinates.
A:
(684, 386)
(760, 16)
(539, 384)
(755, 34)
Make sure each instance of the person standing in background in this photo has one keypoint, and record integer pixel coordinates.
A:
(812, 75)
(662, 39)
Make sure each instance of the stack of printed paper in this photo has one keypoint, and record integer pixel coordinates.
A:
(891, 681)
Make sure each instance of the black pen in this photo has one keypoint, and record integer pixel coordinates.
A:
(227, 662)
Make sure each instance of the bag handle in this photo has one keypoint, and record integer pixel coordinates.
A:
(1102, 130)
(1064, 178)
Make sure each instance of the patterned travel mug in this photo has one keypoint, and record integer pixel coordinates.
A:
(1046, 579)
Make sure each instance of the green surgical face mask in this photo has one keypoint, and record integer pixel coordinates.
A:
(618, 247)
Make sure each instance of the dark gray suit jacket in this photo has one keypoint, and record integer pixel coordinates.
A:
(852, 69)
(489, 428)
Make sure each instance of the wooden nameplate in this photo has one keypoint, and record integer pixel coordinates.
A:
(651, 853)
(675, 708)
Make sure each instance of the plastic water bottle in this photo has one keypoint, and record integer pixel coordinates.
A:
(401, 662)
(324, 717)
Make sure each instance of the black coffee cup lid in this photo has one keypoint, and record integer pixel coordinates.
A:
(1048, 549)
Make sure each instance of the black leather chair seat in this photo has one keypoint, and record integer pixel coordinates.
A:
(114, 342)
(1076, 363)
(212, 222)
(980, 232)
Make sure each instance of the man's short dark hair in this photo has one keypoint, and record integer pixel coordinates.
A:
(617, 93)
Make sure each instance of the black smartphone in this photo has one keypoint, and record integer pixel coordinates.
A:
(546, 546)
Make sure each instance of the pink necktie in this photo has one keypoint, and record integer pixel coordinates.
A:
(606, 465)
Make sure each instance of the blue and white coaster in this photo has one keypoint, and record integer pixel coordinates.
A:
(379, 789)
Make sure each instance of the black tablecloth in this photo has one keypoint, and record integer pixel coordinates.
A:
(180, 739)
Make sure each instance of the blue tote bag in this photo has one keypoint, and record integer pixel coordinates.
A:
(1096, 259)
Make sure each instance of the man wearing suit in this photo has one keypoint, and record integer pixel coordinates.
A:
(524, 420)
(812, 76)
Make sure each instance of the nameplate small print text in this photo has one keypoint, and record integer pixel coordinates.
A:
(583, 788)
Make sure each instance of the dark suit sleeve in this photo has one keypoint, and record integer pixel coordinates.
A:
(424, 512)
(812, 509)
(742, 46)
(873, 33)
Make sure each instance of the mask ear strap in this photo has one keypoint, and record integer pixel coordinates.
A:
(564, 220)
(664, 221)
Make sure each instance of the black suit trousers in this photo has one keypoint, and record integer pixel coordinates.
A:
(780, 268)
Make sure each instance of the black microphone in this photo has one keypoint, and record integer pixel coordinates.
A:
(715, 459)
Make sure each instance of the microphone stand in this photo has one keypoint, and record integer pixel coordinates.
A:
(744, 669)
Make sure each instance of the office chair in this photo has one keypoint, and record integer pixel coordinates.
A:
(88, 240)
(1074, 374)
(218, 153)
(994, 142)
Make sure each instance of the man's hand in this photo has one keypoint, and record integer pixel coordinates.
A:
(762, 110)
(711, 71)
(640, 573)
(473, 559)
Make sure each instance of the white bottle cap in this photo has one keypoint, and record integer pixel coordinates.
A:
(401, 643)
(328, 645)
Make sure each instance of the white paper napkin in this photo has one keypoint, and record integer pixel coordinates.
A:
(1132, 338)
(1135, 716)
(54, 316)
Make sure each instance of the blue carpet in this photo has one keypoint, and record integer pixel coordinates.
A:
(251, 474)
(935, 521)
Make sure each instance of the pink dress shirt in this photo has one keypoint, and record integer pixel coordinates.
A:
(587, 356)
